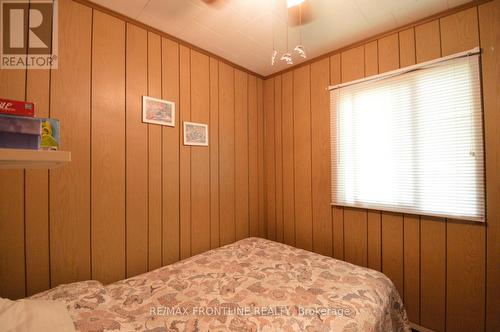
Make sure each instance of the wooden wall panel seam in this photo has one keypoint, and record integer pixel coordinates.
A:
(311, 159)
(126, 153)
(445, 250)
(161, 158)
(248, 153)
(218, 157)
(234, 152)
(331, 176)
(90, 139)
(293, 160)
(190, 155)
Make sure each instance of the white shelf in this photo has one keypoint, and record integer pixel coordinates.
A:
(32, 159)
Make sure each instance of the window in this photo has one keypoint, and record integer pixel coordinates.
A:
(411, 142)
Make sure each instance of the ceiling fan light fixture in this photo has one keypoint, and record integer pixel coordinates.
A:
(273, 57)
(287, 58)
(300, 50)
(293, 3)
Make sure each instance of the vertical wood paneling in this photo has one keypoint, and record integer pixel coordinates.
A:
(288, 157)
(465, 283)
(115, 209)
(185, 152)
(489, 21)
(338, 232)
(154, 156)
(414, 253)
(374, 245)
(335, 69)
(137, 152)
(302, 157)
(392, 248)
(261, 152)
(371, 58)
(226, 154)
(213, 133)
(432, 273)
(407, 47)
(253, 157)
(353, 64)
(388, 53)
(12, 258)
(171, 148)
(269, 158)
(241, 153)
(427, 41)
(12, 275)
(411, 271)
(392, 224)
(70, 185)
(337, 212)
(355, 236)
(278, 141)
(108, 148)
(374, 240)
(200, 155)
(459, 32)
(36, 196)
(320, 144)
(411, 227)
(432, 231)
(450, 279)
(355, 220)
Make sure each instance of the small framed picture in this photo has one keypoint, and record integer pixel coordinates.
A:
(195, 134)
(158, 111)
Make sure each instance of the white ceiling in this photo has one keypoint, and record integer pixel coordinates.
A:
(241, 31)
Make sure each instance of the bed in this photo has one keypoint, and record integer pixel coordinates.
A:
(251, 285)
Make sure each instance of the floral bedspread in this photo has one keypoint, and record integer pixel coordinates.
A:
(251, 285)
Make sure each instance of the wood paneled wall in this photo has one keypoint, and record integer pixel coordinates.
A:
(446, 270)
(133, 198)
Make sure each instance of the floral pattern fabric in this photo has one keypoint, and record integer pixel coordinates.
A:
(251, 285)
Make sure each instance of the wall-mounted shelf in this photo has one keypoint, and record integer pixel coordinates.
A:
(32, 159)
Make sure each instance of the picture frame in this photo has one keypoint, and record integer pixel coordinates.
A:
(195, 134)
(158, 111)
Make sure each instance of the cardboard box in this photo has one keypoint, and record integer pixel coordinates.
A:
(17, 108)
(20, 132)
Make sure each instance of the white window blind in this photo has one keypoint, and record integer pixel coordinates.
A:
(411, 142)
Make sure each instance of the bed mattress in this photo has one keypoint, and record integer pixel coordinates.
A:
(250, 285)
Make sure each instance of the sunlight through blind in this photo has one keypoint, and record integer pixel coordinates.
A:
(412, 142)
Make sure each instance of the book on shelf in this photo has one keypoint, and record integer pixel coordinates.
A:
(17, 108)
(29, 133)
(18, 132)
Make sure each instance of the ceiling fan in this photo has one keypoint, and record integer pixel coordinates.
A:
(215, 3)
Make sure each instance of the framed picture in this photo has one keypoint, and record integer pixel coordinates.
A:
(158, 111)
(195, 134)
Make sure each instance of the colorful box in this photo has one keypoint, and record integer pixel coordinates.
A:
(17, 108)
(20, 132)
(51, 137)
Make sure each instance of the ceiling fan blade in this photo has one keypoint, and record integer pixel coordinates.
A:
(214, 3)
